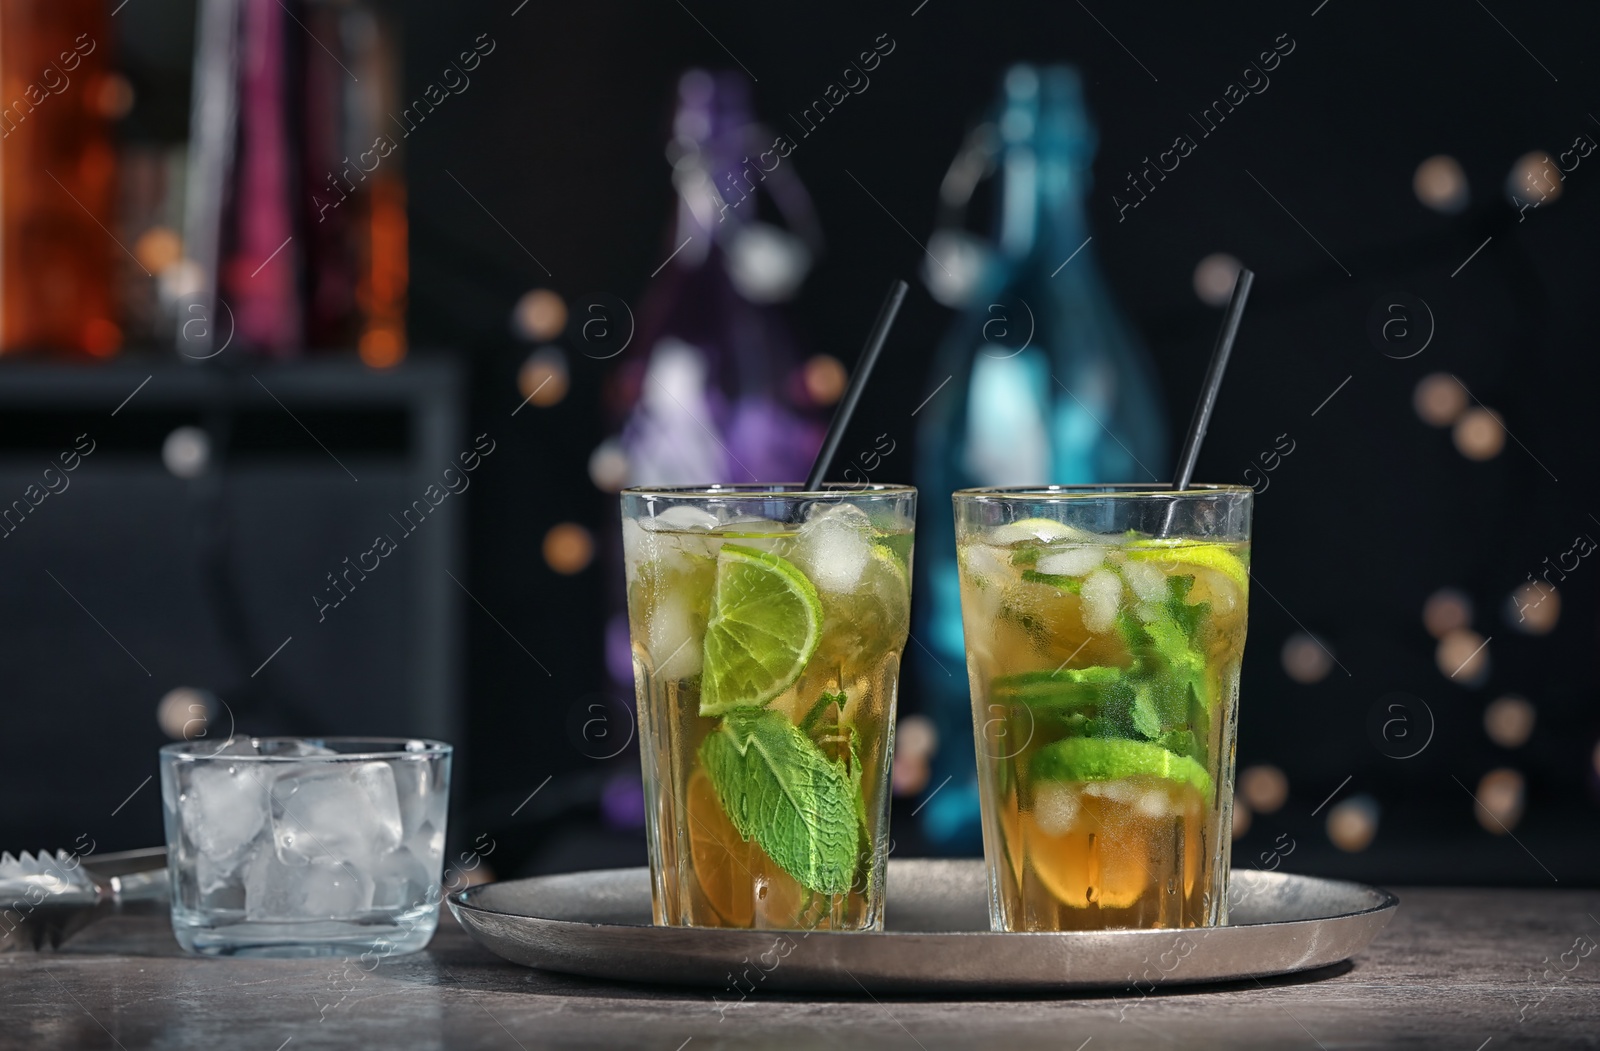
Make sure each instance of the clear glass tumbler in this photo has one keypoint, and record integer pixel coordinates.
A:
(1104, 631)
(283, 846)
(767, 626)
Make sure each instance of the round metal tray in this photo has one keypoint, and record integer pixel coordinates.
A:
(936, 937)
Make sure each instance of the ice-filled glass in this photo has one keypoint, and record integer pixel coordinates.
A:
(767, 627)
(1104, 631)
(283, 846)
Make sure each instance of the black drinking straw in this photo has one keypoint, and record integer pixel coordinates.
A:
(858, 382)
(1213, 382)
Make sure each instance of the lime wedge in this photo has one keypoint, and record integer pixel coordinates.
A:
(1211, 556)
(1108, 759)
(765, 623)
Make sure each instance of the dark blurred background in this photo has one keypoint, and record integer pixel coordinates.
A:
(1400, 719)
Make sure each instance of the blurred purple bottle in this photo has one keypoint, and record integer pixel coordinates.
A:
(716, 393)
(712, 388)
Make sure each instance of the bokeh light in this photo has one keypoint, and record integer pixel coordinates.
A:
(1214, 278)
(158, 248)
(1304, 658)
(186, 452)
(539, 316)
(1479, 434)
(568, 548)
(1440, 184)
(1445, 611)
(608, 466)
(543, 377)
(1500, 798)
(825, 378)
(1463, 655)
(182, 713)
(101, 337)
(381, 347)
(1534, 608)
(1509, 721)
(1439, 399)
(1534, 179)
(1353, 823)
(916, 739)
(1264, 787)
(112, 95)
(179, 280)
(1241, 816)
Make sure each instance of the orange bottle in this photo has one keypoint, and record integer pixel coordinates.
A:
(57, 179)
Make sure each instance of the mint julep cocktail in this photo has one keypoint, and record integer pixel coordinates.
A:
(767, 626)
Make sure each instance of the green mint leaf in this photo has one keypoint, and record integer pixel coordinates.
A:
(810, 721)
(1164, 652)
(1144, 714)
(778, 788)
(855, 779)
(1187, 617)
(1026, 556)
(1181, 742)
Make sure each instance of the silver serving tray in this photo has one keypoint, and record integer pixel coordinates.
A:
(936, 937)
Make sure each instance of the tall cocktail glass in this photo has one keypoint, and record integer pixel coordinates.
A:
(767, 626)
(1104, 631)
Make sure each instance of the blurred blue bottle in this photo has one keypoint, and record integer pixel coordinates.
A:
(1049, 383)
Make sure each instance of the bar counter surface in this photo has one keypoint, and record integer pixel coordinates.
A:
(1472, 970)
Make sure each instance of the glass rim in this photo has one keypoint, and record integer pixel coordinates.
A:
(1121, 490)
(431, 749)
(786, 490)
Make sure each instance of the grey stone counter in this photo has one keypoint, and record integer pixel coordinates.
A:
(1456, 969)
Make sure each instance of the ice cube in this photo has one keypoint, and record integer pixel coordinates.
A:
(1041, 529)
(318, 889)
(680, 517)
(1215, 588)
(985, 566)
(1073, 561)
(675, 628)
(221, 883)
(638, 546)
(223, 806)
(400, 881)
(335, 812)
(1149, 584)
(1115, 791)
(1055, 808)
(420, 798)
(1156, 804)
(833, 547)
(1102, 596)
(428, 840)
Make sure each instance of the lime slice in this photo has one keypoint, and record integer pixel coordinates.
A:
(1105, 759)
(765, 623)
(1211, 556)
(1065, 688)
